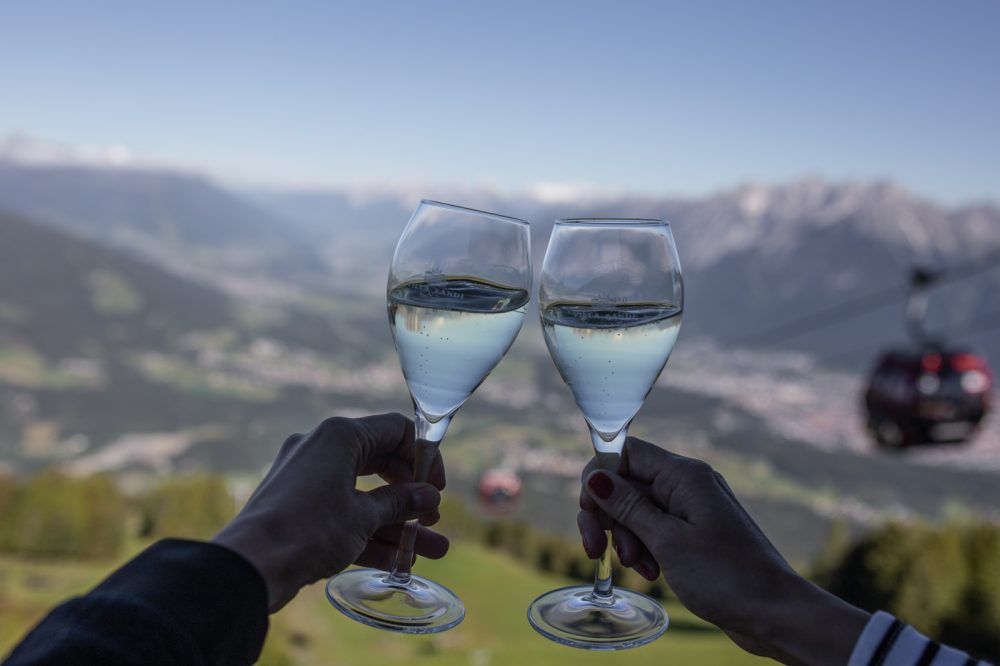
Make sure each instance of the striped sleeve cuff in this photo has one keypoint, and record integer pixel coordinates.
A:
(882, 626)
(886, 641)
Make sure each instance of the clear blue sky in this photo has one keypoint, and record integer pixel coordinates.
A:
(667, 97)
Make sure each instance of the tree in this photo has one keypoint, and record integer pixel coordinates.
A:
(945, 580)
(54, 515)
(976, 625)
(194, 506)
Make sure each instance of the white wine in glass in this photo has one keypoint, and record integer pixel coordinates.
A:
(611, 299)
(458, 289)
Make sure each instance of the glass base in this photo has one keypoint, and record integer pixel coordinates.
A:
(420, 606)
(571, 616)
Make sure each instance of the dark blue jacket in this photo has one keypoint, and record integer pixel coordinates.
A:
(177, 602)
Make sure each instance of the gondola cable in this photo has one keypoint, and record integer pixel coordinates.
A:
(876, 300)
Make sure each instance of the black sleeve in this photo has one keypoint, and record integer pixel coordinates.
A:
(177, 602)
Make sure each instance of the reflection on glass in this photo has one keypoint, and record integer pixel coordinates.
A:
(457, 293)
(611, 299)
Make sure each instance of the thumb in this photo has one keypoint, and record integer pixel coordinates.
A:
(626, 504)
(398, 502)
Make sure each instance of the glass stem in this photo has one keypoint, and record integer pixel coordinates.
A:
(425, 446)
(604, 591)
(608, 456)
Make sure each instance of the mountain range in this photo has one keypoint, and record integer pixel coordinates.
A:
(154, 320)
(754, 257)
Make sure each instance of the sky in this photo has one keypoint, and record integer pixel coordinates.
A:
(645, 97)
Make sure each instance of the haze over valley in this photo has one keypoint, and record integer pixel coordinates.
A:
(154, 321)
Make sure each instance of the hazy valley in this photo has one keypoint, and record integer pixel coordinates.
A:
(153, 322)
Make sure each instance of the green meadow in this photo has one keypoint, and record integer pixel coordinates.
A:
(496, 590)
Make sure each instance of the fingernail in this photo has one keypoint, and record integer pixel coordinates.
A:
(618, 550)
(425, 499)
(586, 546)
(601, 485)
(645, 570)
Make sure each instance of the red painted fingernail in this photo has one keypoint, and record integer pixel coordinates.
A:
(601, 484)
(618, 549)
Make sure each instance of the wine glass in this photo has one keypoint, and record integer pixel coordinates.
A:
(458, 289)
(611, 298)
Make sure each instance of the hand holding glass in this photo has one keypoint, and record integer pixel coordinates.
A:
(611, 299)
(457, 293)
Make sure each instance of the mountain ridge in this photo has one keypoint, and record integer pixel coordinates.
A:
(754, 255)
(163, 215)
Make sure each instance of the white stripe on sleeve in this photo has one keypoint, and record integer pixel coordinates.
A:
(870, 638)
(907, 649)
(947, 656)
